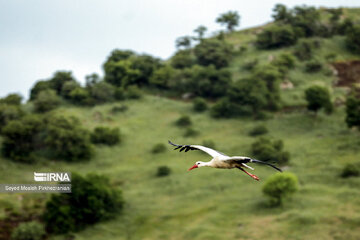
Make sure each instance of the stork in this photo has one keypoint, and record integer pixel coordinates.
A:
(221, 160)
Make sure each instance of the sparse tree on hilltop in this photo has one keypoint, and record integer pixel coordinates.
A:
(231, 19)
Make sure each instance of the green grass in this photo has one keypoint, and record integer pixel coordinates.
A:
(209, 203)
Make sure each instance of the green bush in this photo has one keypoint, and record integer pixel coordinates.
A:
(353, 39)
(102, 92)
(46, 100)
(183, 121)
(284, 62)
(276, 36)
(68, 87)
(313, 65)
(304, 50)
(120, 94)
(119, 109)
(158, 148)
(59, 79)
(318, 97)
(351, 170)
(105, 135)
(213, 52)
(8, 113)
(267, 150)
(80, 96)
(250, 64)
(353, 111)
(190, 132)
(223, 108)
(163, 171)
(93, 199)
(280, 186)
(183, 59)
(39, 87)
(199, 104)
(66, 139)
(258, 130)
(21, 138)
(161, 77)
(28, 231)
(11, 99)
(133, 92)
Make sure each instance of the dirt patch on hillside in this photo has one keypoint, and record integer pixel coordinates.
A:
(348, 73)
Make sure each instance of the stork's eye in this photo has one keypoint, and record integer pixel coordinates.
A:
(198, 163)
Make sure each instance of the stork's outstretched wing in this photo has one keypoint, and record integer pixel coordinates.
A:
(244, 160)
(209, 151)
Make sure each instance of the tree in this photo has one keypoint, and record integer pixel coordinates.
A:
(213, 52)
(270, 150)
(279, 186)
(162, 76)
(318, 97)
(117, 55)
(230, 19)
(121, 73)
(80, 96)
(91, 80)
(104, 135)
(146, 65)
(28, 231)
(102, 92)
(68, 87)
(199, 104)
(12, 99)
(8, 113)
(184, 42)
(59, 79)
(353, 111)
(281, 13)
(93, 199)
(183, 59)
(66, 140)
(276, 36)
(46, 100)
(20, 138)
(200, 30)
(353, 39)
(38, 87)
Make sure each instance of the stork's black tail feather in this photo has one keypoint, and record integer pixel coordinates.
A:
(258, 161)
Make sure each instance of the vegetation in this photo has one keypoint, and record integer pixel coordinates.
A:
(353, 111)
(158, 148)
(258, 130)
(46, 100)
(163, 171)
(28, 231)
(266, 150)
(213, 52)
(183, 121)
(318, 97)
(230, 19)
(92, 199)
(199, 104)
(350, 170)
(280, 186)
(105, 135)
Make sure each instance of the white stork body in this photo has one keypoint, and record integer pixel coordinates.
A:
(220, 160)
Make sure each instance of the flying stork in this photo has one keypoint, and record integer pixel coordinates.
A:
(221, 160)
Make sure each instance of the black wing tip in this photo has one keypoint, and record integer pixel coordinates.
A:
(269, 164)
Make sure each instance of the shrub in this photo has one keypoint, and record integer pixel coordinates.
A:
(213, 52)
(59, 79)
(276, 36)
(133, 92)
(119, 109)
(28, 231)
(104, 135)
(39, 87)
(224, 108)
(350, 170)
(93, 199)
(12, 99)
(190, 132)
(80, 96)
(161, 77)
(183, 121)
(318, 97)
(284, 62)
(258, 130)
(120, 94)
(163, 171)
(304, 50)
(46, 100)
(20, 138)
(353, 39)
(313, 65)
(183, 59)
(158, 148)
(102, 92)
(353, 111)
(250, 64)
(266, 150)
(199, 104)
(65, 139)
(68, 87)
(279, 186)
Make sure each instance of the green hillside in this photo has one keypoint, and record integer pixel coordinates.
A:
(209, 203)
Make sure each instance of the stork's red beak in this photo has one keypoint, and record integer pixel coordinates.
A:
(195, 166)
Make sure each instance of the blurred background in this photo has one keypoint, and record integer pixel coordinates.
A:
(98, 88)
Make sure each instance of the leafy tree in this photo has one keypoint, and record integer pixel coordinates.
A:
(213, 52)
(267, 150)
(281, 13)
(162, 76)
(353, 111)
(104, 135)
(307, 19)
(224, 108)
(284, 62)
(133, 92)
(46, 100)
(59, 79)
(146, 65)
(80, 96)
(38, 87)
(280, 186)
(102, 92)
(68, 87)
(183, 59)
(12, 99)
(199, 104)
(314, 65)
(28, 231)
(276, 36)
(318, 97)
(231, 19)
(8, 113)
(118, 55)
(120, 94)
(93, 199)
(65, 139)
(121, 73)
(91, 80)
(353, 39)
(200, 30)
(20, 138)
(304, 50)
(184, 42)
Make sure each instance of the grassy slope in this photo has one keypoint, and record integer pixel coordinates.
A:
(209, 203)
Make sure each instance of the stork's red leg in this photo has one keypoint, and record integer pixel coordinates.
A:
(251, 175)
